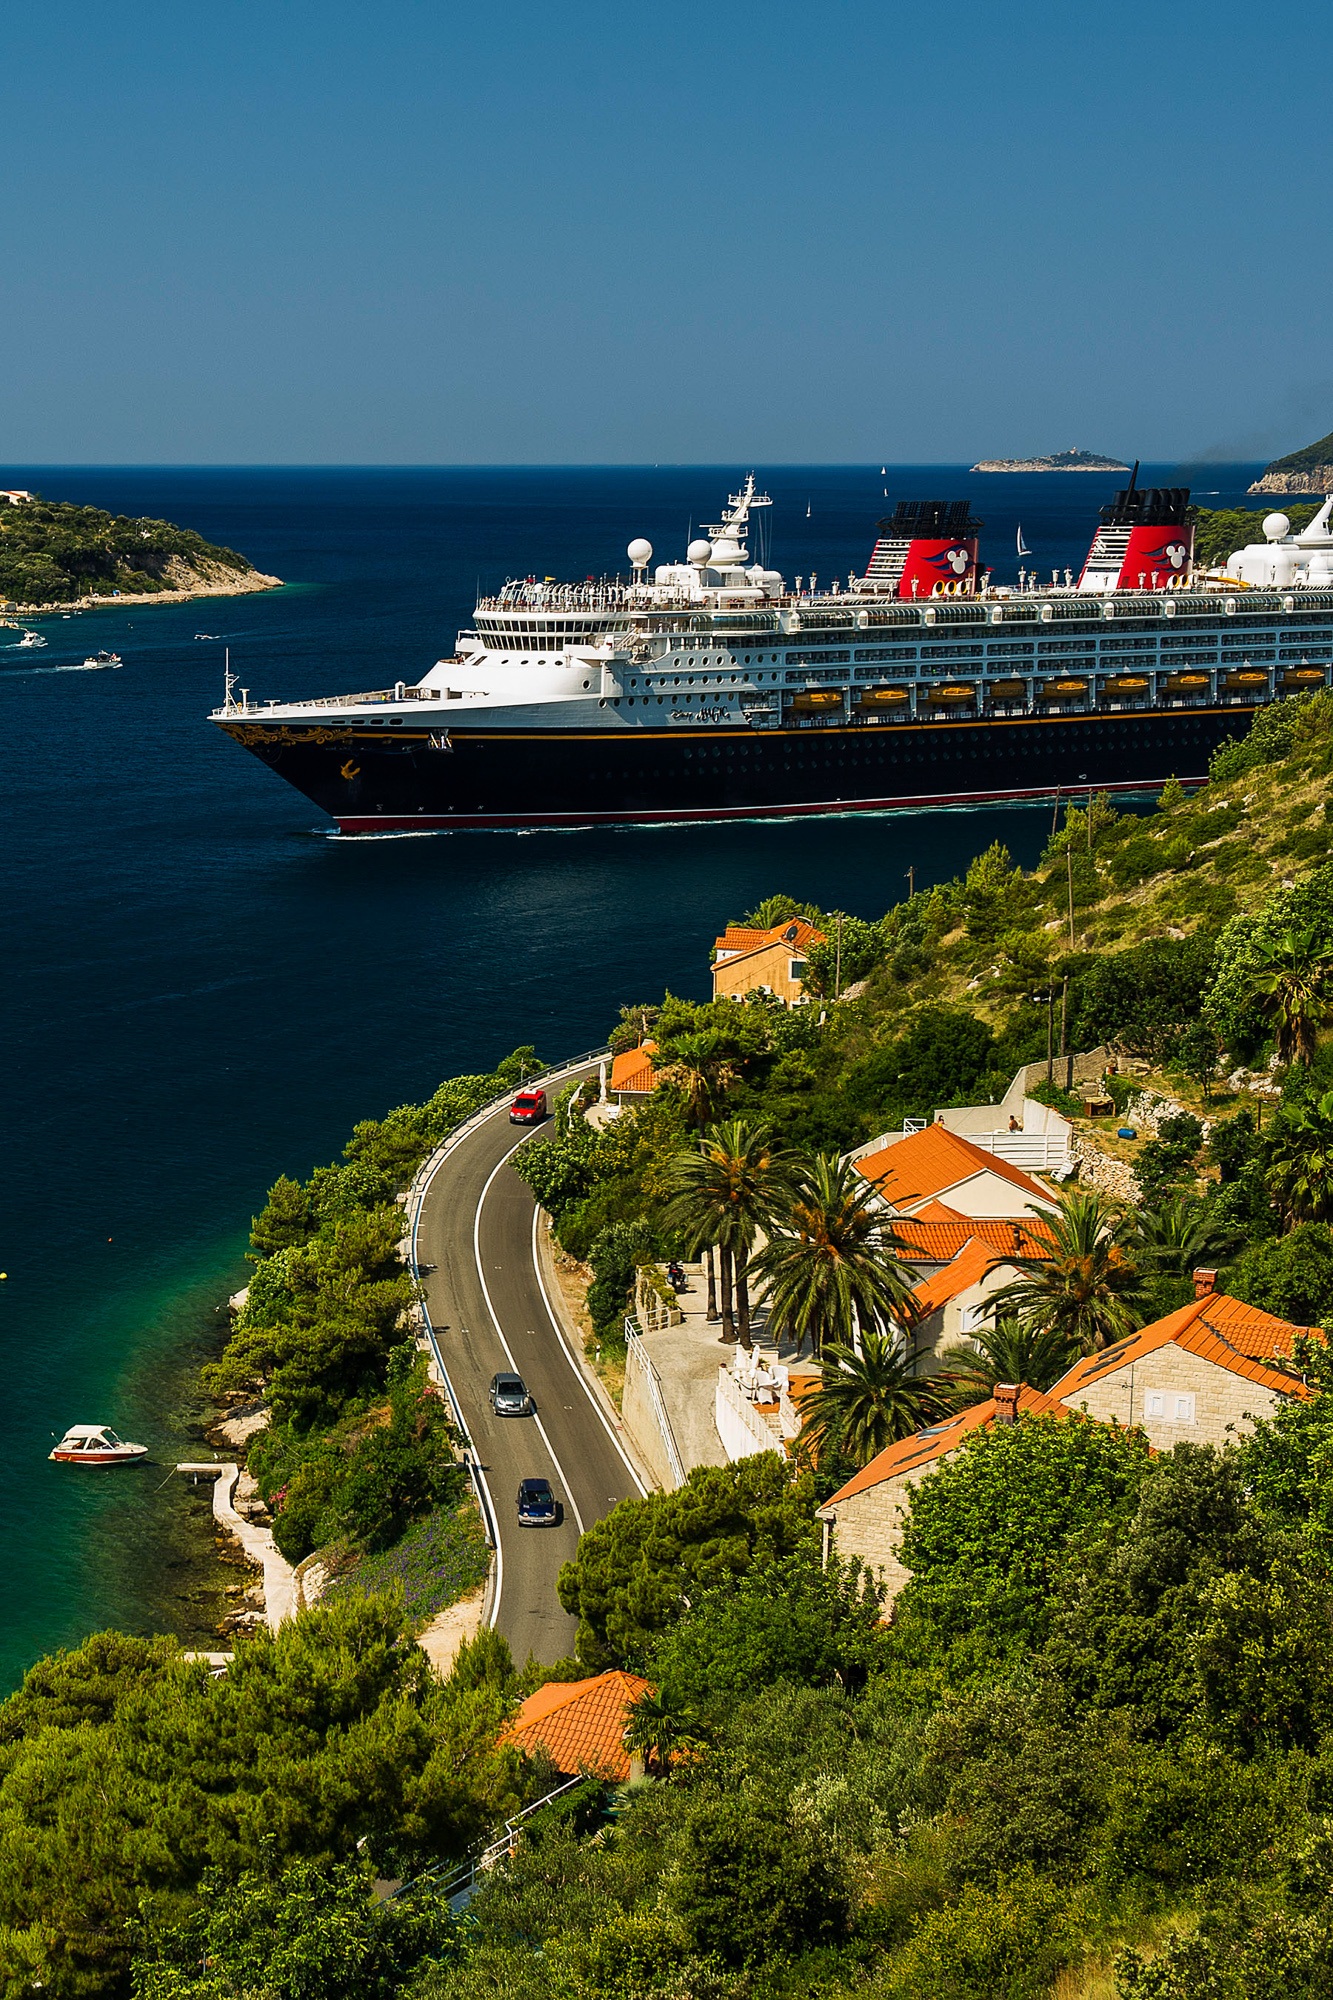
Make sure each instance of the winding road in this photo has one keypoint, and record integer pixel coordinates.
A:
(476, 1250)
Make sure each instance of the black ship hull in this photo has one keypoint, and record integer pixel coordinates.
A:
(475, 777)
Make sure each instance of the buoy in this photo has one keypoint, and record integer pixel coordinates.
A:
(110, 1239)
(4, 1274)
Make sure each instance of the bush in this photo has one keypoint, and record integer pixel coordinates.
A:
(1011, 1941)
(750, 1884)
(635, 1569)
(1290, 1276)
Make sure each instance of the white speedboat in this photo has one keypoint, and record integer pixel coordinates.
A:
(32, 639)
(96, 1444)
(103, 659)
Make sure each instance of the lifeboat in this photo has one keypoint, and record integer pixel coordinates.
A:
(1132, 685)
(875, 699)
(1008, 690)
(952, 695)
(1302, 677)
(1065, 691)
(816, 701)
(1186, 684)
(96, 1444)
(1247, 677)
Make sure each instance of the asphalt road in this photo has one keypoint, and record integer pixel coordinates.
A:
(477, 1246)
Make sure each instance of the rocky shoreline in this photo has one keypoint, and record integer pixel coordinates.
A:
(1317, 479)
(210, 580)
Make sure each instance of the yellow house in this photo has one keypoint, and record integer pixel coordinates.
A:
(754, 961)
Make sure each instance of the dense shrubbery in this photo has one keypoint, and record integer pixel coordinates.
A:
(358, 1446)
(128, 1776)
(51, 552)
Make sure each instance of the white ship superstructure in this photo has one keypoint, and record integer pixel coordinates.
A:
(712, 687)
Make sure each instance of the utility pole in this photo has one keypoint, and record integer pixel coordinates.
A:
(1069, 872)
(911, 883)
(1049, 998)
(1065, 1051)
(837, 962)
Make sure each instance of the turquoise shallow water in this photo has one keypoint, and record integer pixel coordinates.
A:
(203, 990)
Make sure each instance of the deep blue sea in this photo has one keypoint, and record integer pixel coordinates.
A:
(203, 989)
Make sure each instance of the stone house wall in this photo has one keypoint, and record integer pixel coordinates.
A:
(870, 1525)
(1222, 1405)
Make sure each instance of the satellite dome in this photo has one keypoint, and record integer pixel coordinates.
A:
(699, 553)
(1276, 526)
(726, 551)
(640, 553)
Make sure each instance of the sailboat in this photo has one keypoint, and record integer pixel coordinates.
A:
(1023, 548)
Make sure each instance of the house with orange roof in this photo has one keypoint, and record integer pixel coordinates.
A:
(1202, 1374)
(914, 1171)
(632, 1073)
(1195, 1375)
(954, 1299)
(771, 961)
(581, 1725)
(866, 1517)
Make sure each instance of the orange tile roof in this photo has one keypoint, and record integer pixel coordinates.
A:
(927, 1163)
(633, 1069)
(968, 1268)
(740, 938)
(1210, 1327)
(940, 1211)
(580, 1724)
(937, 1441)
(927, 1241)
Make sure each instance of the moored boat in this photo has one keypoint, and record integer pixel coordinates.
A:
(96, 1444)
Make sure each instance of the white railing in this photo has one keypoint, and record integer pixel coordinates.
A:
(638, 1364)
(743, 1432)
(458, 1887)
(1035, 1151)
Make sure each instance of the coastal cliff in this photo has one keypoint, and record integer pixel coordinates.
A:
(53, 552)
(1307, 471)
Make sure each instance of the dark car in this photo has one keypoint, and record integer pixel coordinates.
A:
(509, 1396)
(528, 1108)
(536, 1504)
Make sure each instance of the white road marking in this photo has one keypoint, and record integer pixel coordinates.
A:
(582, 1379)
(495, 1321)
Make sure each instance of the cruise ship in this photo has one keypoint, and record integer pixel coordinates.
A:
(713, 688)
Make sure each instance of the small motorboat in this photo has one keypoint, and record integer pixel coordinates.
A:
(103, 659)
(208, 635)
(96, 1444)
(32, 639)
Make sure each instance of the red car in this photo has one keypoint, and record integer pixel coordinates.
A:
(528, 1108)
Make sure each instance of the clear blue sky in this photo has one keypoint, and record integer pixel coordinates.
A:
(412, 231)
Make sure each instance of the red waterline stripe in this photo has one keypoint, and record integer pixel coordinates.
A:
(419, 822)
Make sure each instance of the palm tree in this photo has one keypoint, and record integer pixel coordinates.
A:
(702, 1068)
(832, 1262)
(724, 1191)
(657, 1729)
(1178, 1237)
(1301, 1162)
(868, 1397)
(1008, 1351)
(1086, 1287)
(1291, 985)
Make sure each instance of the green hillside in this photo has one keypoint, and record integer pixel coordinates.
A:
(1305, 460)
(52, 552)
(1220, 530)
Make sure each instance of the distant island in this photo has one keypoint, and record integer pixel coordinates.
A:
(1072, 460)
(1307, 471)
(53, 552)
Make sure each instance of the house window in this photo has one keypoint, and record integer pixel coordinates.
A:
(1168, 1408)
(796, 968)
